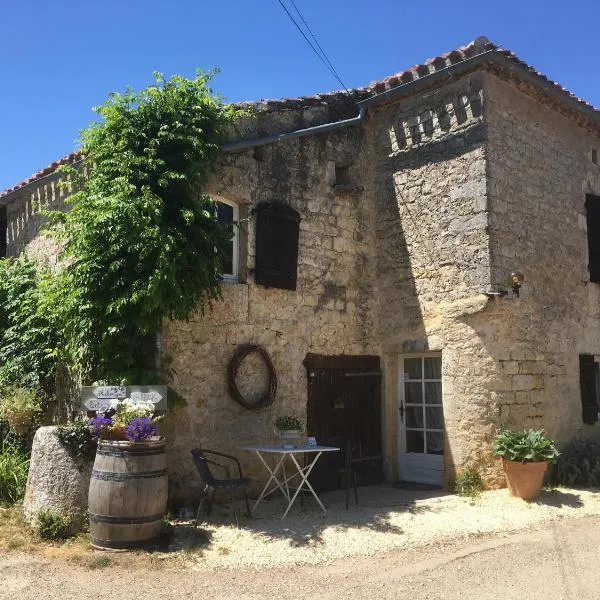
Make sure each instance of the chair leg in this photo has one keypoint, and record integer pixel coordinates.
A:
(202, 497)
(355, 486)
(348, 475)
(210, 502)
(247, 503)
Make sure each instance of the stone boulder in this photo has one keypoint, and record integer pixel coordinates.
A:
(56, 481)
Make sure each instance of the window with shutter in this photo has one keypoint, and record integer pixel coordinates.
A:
(277, 232)
(588, 382)
(3, 231)
(592, 209)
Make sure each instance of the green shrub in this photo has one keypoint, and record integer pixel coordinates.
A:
(14, 465)
(52, 525)
(578, 465)
(77, 439)
(529, 445)
(288, 423)
(468, 482)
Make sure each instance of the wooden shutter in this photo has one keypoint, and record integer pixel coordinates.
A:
(277, 231)
(592, 209)
(3, 231)
(588, 380)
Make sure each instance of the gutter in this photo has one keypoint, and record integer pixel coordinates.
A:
(280, 137)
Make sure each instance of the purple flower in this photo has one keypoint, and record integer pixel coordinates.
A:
(99, 425)
(140, 428)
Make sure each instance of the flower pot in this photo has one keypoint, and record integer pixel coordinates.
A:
(289, 438)
(524, 480)
(19, 421)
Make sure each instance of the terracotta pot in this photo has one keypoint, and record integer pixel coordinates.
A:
(524, 480)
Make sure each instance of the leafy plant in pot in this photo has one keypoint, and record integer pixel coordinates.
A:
(525, 457)
(289, 429)
(18, 406)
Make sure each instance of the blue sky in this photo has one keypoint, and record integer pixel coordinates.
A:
(60, 58)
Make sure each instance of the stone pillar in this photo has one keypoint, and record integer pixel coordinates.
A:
(56, 481)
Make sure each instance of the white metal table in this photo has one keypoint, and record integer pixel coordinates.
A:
(279, 478)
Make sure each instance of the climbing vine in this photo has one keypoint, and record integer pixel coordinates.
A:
(142, 242)
(28, 336)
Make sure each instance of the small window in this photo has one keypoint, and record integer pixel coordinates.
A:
(588, 383)
(3, 231)
(342, 175)
(592, 209)
(277, 233)
(228, 214)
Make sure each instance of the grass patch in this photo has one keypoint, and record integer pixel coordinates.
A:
(52, 525)
(99, 562)
(468, 482)
(14, 465)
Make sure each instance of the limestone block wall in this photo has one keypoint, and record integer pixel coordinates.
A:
(330, 312)
(539, 171)
(433, 260)
(24, 207)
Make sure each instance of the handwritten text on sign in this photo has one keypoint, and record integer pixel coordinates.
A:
(98, 398)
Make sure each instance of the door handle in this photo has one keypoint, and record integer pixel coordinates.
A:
(401, 409)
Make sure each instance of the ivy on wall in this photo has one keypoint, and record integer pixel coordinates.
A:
(141, 243)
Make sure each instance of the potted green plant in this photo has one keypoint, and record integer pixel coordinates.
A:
(525, 457)
(18, 406)
(289, 429)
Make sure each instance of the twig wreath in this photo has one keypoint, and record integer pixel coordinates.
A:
(232, 370)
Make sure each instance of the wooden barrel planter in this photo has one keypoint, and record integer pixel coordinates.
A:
(128, 494)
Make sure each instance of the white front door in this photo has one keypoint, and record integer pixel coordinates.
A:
(421, 451)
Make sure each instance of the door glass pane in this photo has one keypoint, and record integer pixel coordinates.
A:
(435, 442)
(433, 392)
(412, 368)
(432, 366)
(435, 418)
(413, 393)
(415, 441)
(414, 416)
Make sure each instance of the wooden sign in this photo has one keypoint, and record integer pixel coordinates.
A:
(98, 398)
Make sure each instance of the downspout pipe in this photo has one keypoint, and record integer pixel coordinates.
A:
(280, 137)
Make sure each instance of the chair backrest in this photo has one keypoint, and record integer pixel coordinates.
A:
(202, 466)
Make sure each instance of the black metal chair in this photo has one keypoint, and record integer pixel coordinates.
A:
(341, 463)
(204, 464)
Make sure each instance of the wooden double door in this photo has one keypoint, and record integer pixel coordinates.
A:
(344, 401)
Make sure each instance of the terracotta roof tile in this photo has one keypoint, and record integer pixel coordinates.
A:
(70, 158)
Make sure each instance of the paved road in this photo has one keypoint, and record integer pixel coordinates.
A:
(556, 562)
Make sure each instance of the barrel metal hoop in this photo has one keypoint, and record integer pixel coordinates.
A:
(123, 452)
(111, 476)
(125, 520)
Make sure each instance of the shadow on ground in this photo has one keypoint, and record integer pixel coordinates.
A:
(304, 525)
(558, 498)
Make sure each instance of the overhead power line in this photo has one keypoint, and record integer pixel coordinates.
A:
(318, 50)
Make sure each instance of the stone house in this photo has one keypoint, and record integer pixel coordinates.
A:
(378, 233)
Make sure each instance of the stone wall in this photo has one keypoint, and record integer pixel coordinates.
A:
(539, 171)
(330, 312)
(432, 253)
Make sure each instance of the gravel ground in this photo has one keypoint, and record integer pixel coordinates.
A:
(386, 519)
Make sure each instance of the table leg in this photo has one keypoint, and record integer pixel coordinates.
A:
(304, 473)
(273, 478)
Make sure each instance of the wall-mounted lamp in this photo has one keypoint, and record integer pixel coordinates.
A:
(514, 283)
